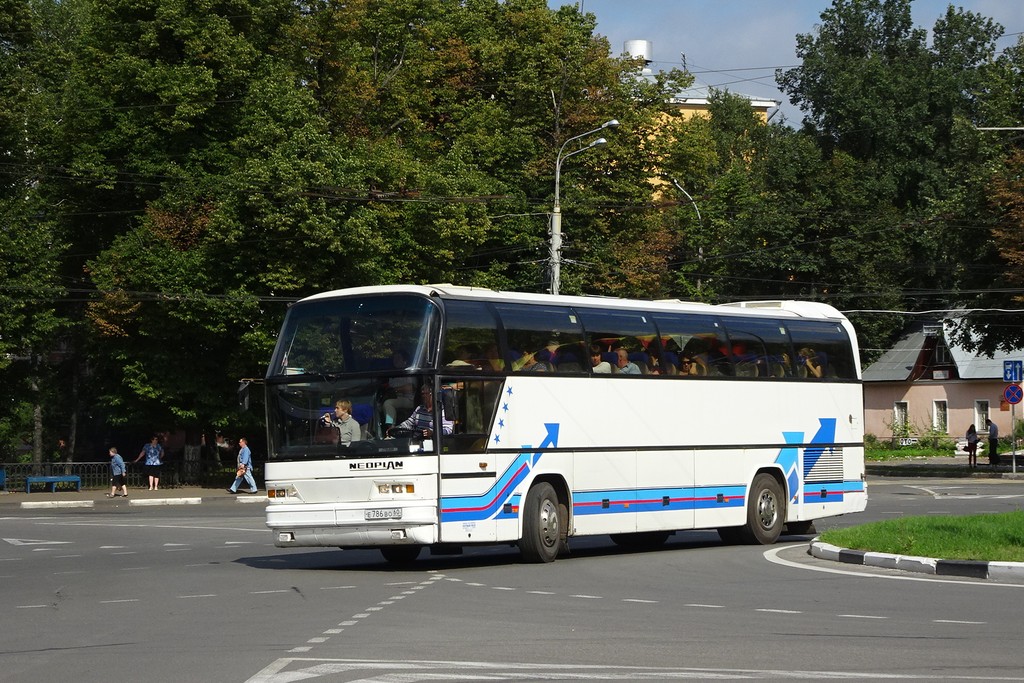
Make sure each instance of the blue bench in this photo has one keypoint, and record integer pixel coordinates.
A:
(53, 481)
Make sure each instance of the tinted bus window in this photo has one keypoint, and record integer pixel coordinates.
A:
(471, 338)
(632, 331)
(760, 348)
(356, 335)
(697, 340)
(823, 350)
(542, 338)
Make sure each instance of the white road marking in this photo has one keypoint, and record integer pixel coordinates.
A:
(860, 616)
(411, 671)
(696, 604)
(34, 541)
(114, 602)
(779, 611)
(958, 621)
(201, 595)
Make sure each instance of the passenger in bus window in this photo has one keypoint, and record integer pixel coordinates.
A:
(492, 359)
(534, 362)
(467, 357)
(598, 366)
(653, 364)
(808, 359)
(422, 418)
(347, 426)
(626, 366)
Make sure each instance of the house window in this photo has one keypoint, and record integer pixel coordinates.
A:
(942, 355)
(900, 421)
(940, 422)
(980, 414)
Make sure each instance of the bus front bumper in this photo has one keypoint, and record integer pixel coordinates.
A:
(312, 526)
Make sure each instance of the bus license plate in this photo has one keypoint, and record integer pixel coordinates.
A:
(384, 513)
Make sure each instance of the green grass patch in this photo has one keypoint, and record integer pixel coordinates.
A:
(991, 538)
(908, 453)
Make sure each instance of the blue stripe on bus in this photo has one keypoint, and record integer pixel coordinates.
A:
(490, 503)
(831, 492)
(657, 500)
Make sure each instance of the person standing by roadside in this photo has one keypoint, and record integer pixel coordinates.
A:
(993, 443)
(244, 471)
(153, 452)
(118, 474)
(972, 446)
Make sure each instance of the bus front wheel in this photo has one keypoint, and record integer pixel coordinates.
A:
(542, 524)
(766, 511)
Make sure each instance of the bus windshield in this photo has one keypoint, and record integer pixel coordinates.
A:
(366, 353)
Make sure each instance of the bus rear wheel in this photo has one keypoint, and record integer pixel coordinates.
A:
(400, 554)
(766, 510)
(542, 524)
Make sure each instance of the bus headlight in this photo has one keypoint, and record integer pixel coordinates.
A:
(281, 492)
(393, 489)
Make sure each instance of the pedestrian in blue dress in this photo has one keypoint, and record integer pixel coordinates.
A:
(118, 474)
(244, 471)
(153, 452)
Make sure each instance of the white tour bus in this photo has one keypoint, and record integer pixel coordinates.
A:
(560, 416)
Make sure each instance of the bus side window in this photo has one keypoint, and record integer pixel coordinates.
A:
(698, 341)
(542, 337)
(764, 348)
(633, 331)
(471, 338)
(827, 346)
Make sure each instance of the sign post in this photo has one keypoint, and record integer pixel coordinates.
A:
(1013, 395)
(1013, 370)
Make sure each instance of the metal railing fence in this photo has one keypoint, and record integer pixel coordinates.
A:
(189, 471)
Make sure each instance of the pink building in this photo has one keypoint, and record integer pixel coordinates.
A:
(925, 383)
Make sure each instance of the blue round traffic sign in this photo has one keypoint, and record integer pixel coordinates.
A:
(1013, 394)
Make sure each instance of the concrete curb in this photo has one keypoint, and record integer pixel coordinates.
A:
(135, 502)
(921, 565)
(144, 502)
(34, 505)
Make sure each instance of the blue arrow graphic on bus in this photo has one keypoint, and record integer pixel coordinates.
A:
(826, 435)
(550, 441)
(490, 503)
(788, 458)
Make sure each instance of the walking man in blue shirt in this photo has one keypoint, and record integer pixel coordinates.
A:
(244, 468)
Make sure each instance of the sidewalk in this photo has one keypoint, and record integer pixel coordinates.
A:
(90, 498)
(948, 467)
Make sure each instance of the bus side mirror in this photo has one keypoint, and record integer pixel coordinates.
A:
(243, 395)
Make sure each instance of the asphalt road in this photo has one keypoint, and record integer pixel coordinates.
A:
(200, 593)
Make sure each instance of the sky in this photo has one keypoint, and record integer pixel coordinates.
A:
(738, 44)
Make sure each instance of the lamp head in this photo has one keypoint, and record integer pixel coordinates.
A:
(614, 123)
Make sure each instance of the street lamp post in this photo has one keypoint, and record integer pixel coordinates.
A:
(555, 253)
